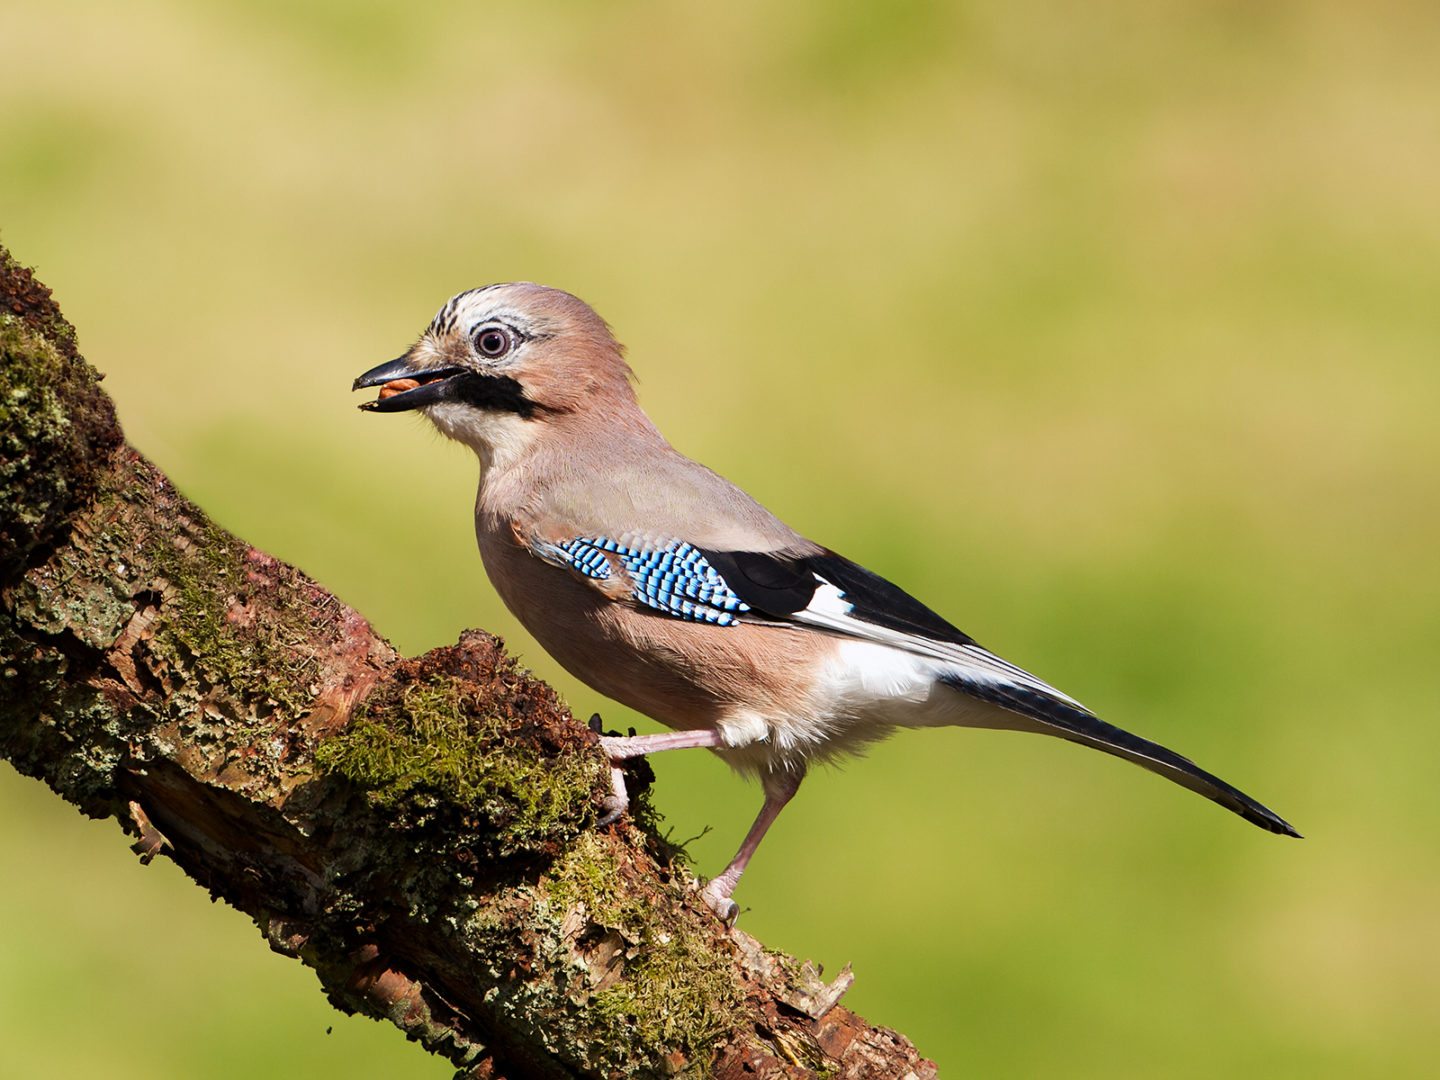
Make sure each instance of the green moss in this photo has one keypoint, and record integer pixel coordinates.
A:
(436, 743)
(675, 992)
(587, 874)
(202, 626)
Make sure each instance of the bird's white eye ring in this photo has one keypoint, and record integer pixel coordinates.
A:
(493, 342)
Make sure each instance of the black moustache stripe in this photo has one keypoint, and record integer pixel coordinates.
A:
(499, 393)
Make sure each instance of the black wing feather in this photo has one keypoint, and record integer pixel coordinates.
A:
(770, 582)
(779, 585)
(883, 603)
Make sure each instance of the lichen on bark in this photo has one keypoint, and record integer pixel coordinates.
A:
(56, 426)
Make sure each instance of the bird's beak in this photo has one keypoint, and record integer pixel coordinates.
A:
(402, 387)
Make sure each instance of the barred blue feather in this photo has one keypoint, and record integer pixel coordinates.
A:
(674, 577)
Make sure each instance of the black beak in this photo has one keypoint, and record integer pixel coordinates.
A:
(430, 389)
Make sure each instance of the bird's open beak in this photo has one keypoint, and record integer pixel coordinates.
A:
(403, 388)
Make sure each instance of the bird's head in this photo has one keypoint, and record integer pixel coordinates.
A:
(497, 363)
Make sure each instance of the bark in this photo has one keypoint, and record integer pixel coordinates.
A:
(421, 832)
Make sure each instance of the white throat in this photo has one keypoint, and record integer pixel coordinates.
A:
(499, 439)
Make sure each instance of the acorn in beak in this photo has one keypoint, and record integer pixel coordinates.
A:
(402, 388)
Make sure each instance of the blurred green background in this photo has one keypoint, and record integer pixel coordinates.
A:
(1110, 330)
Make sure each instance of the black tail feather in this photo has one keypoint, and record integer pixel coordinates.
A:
(1068, 722)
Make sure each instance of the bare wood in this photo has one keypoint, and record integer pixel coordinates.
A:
(421, 832)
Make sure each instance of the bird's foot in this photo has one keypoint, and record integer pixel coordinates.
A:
(718, 901)
(615, 804)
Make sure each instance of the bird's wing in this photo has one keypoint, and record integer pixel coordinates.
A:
(828, 592)
(824, 591)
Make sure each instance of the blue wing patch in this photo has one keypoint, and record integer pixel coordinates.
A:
(674, 578)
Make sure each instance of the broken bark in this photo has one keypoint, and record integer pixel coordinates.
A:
(421, 832)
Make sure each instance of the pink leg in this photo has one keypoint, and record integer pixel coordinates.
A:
(780, 788)
(621, 747)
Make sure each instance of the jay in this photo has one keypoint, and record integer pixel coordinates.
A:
(664, 586)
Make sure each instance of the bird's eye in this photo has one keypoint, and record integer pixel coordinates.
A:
(493, 342)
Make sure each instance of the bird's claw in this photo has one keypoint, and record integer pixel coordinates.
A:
(726, 909)
(617, 802)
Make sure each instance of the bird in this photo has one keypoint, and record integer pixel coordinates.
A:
(664, 586)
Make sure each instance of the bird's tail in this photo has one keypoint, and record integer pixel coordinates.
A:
(1067, 721)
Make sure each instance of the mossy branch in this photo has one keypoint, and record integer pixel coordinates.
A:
(421, 832)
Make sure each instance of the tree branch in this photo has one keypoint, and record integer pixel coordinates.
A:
(421, 832)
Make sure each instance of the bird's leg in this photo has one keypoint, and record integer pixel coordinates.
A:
(619, 800)
(622, 747)
(780, 788)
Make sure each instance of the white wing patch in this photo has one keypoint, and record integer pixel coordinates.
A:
(829, 610)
